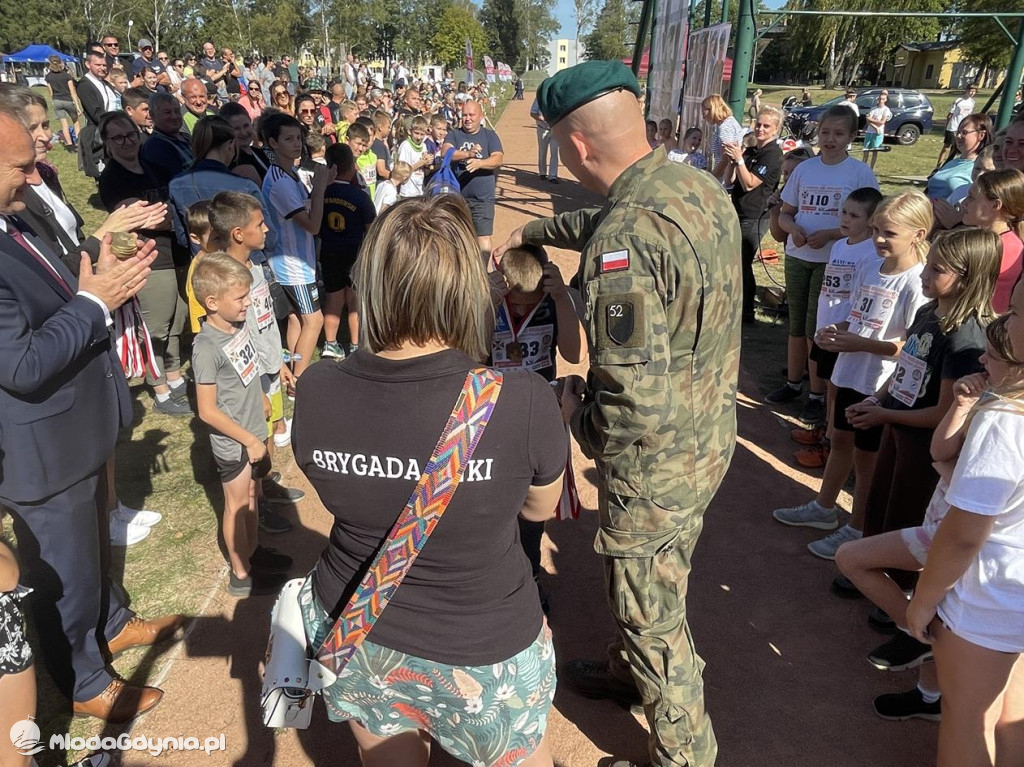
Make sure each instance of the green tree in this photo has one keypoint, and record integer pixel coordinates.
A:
(538, 26)
(449, 40)
(501, 23)
(984, 42)
(838, 46)
(608, 39)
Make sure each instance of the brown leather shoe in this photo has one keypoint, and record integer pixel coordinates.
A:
(120, 702)
(141, 633)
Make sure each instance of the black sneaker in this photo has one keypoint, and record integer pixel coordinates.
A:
(255, 585)
(813, 411)
(843, 587)
(900, 653)
(172, 406)
(901, 706)
(879, 620)
(274, 476)
(271, 521)
(784, 393)
(271, 561)
(275, 493)
(593, 679)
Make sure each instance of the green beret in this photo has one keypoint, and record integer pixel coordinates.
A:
(571, 88)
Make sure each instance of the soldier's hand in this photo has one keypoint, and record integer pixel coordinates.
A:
(573, 388)
(515, 240)
(552, 282)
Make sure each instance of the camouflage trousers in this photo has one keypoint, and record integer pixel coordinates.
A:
(647, 552)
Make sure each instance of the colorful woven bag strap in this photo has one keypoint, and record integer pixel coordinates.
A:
(418, 519)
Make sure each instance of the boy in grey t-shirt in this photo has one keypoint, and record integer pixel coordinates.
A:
(238, 225)
(226, 366)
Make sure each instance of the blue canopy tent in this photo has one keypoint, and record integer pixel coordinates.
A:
(35, 57)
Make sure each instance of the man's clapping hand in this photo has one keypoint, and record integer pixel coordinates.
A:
(112, 281)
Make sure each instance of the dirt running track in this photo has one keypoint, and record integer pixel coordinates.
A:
(787, 680)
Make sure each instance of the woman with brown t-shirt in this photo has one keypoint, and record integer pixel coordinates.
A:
(461, 653)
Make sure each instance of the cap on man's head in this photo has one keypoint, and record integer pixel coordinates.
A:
(145, 43)
(569, 89)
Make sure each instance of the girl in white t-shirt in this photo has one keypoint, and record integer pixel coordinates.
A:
(945, 346)
(811, 203)
(969, 602)
(386, 194)
(886, 294)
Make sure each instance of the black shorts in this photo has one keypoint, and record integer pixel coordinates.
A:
(826, 360)
(483, 216)
(948, 138)
(336, 271)
(305, 299)
(229, 470)
(863, 439)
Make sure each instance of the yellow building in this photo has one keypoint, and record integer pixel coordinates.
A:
(939, 65)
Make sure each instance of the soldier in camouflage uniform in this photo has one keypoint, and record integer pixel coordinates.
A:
(660, 273)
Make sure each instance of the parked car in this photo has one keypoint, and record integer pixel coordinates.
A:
(911, 114)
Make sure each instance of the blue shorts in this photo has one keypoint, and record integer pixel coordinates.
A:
(873, 140)
(493, 714)
(305, 299)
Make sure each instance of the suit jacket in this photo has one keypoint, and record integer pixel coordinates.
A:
(90, 145)
(63, 394)
(39, 216)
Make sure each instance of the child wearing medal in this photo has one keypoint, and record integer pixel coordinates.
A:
(536, 317)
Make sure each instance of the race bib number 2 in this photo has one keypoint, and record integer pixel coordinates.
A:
(908, 379)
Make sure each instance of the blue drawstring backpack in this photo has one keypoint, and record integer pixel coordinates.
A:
(444, 181)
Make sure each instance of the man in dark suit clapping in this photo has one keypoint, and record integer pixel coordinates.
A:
(63, 397)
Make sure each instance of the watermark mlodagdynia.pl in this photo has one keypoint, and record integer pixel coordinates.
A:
(25, 736)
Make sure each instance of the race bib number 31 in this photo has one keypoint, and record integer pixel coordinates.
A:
(871, 309)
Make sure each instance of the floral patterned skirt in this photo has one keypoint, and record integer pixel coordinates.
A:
(489, 716)
(15, 653)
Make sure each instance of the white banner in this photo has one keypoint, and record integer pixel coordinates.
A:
(665, 77)
(705, 67)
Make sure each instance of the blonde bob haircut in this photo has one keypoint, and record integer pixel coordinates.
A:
(718, 110)
(420, 279)
(911, 210)
(974, 255)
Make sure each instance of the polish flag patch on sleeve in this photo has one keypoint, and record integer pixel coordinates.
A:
(616, 261)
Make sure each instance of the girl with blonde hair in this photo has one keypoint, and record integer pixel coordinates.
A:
(886, 295)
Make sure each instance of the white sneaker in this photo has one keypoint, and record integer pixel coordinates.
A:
(827, 547)
(809, 514)
(285, 438)
(140, 517)
(126, 534)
